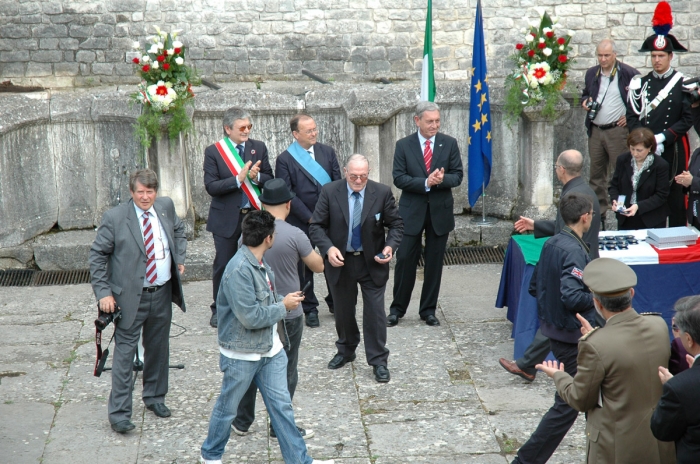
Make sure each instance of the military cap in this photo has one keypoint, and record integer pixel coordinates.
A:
(609, 277)
(661, 40)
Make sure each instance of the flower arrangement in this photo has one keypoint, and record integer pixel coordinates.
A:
(541, 61)
(165, 88)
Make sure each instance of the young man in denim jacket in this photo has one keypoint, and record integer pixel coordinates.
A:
(249, 311)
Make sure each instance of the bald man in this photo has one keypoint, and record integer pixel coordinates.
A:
(606, 88)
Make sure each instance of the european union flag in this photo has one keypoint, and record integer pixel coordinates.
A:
(479, 117)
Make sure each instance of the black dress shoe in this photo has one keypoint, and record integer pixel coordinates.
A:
(431, 320)
(339, 361)
(381, 374)
(312, 320)
(159, 409)
(123, 426)
(392, 320)
(214, 321)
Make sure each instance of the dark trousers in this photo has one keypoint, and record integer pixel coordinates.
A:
(534, 354)
(154, 315)
(245, 415)
(675, 156)
(310, 303)
(558, 420)
(344, 292)
(405, 273)
(225, 249)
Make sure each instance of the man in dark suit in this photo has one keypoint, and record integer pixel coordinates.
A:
(568, 170)
(348, 227)
(427, 166)
(235, 168)
(306, 166)
(135, 265)
(677, 416)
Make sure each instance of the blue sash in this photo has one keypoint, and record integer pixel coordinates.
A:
(309, 164)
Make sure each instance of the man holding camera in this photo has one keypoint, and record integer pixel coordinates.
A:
(135, 265)
(604, 97)
(657, 101)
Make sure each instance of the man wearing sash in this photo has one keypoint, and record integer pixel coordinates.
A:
(235, 168)
(306, 166)
(657, 101)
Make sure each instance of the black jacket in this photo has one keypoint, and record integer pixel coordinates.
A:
(625, 73)
(557, 283)
(221, 184)
(677, 416)
(546, 228)
(694, 189)
(652, 190)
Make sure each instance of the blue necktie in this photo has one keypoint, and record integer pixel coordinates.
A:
(356, 242)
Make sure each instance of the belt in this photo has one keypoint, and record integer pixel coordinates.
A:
(152, 289)
(354, 253)
(606, 126)
(245, 210)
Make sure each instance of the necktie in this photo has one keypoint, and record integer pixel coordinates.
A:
(149, 243)
(244, 198)
(356, 242)
(311, 154)
(427, 156)
(240, 152)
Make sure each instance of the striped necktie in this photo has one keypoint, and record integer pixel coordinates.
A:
(149, 243)
(356, 241)
(427, 156)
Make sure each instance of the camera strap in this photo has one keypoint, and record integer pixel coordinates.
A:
(101, 355)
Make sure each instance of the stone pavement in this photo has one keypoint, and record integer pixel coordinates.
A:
(448, 400)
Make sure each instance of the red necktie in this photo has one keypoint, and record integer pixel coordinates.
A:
(427, 156)
(149, 243)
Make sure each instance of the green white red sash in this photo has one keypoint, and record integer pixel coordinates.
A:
(234, 162)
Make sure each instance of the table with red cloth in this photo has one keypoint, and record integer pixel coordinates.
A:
(663, 276)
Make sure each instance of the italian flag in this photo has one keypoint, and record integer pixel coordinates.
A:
(427, 85)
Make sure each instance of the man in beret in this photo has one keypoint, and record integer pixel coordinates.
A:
(616, 383)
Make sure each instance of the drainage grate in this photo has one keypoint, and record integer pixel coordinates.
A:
(472, 255)
(31, 278)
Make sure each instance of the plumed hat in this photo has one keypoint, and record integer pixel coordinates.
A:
(662, 41)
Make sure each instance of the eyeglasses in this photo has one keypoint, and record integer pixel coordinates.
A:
(592, 213)
(558, 166)
(243, 128)
(309, 132)
(356, 177)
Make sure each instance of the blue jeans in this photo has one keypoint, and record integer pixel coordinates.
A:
(270, 375)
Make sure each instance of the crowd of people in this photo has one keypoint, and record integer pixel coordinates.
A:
(266, 226)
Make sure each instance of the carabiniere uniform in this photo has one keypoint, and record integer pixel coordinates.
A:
(659, 103)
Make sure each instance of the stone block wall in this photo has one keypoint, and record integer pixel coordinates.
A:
(64, 43)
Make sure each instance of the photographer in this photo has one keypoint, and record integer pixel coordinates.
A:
(604, 97)
(135, 265)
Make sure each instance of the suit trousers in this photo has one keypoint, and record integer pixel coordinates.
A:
(246, 408)
(310, 303)
(405, 273)
(225, 249)
(154, 315)
(604, 146)
(344, 292)
(558, 420)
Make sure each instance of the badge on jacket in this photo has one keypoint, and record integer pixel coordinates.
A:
(578, 273)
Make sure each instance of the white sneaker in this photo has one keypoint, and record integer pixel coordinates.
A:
(211, 461)
(240, 433)
(316, 461)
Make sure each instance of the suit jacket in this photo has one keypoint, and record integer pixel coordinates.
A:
(226, 197)
(410, 174)
(694, 189)
(652, 190)
(299, 182)
(332, 218)
(677, 416)
(617, 384)
(550, 228)
(118, 258)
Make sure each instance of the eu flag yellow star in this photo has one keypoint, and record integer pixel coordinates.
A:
(478, 86)
(483, 98)
(488, 136)
(469, 140)
(484, 119)
(476, 125)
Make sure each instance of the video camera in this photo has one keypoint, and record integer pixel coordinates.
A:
(692, 87)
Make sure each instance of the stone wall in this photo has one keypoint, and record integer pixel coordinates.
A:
(67, 43)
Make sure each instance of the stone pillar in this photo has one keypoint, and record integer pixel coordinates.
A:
(536, 163)
(372, 112)
(168, 158)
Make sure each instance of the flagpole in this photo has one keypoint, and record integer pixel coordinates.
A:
(483, 221)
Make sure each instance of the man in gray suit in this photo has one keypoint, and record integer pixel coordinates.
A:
(135, 265)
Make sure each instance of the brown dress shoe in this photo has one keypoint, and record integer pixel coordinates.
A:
(513, 368)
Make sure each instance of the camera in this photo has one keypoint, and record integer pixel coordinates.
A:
(692, 87)
(104, 319)
(593, 107)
